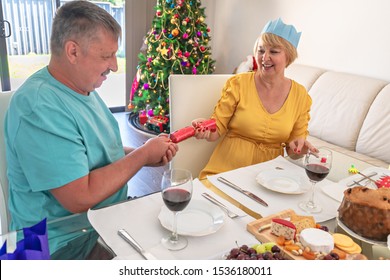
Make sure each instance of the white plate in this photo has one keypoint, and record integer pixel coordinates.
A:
(357, 236)
(283, 181)
(199, 218)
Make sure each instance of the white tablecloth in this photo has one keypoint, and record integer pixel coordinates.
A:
(140, 218)
(336, 190)
(246, 178)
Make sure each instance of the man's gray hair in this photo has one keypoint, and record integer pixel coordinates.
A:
(80, 21)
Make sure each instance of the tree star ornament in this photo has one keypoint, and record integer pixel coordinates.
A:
(164, 51)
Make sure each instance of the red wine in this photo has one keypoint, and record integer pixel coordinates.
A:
(316, 172)
(176, 199)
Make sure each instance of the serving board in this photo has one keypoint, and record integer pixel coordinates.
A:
(266, 236)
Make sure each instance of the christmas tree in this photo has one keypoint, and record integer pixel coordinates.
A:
(176, 44)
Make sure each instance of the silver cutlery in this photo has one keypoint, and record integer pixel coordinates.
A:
(366, 177)
(221, 205)
(357, 183)
(247, 193)
(127, 237)
(360, 180)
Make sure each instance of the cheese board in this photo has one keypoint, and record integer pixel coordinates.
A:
(261, 229)
(265, 234)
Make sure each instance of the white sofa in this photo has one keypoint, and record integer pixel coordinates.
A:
(350, 113)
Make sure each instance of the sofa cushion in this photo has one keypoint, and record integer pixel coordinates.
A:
(374, 135)
(305, 75)
(340, 104)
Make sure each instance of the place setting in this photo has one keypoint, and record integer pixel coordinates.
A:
(196, 211)
(282, 184)
(176, 223)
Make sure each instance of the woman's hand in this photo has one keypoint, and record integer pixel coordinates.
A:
(205, 133)
(300, 146)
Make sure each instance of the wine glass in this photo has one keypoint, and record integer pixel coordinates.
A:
(317, 166)
(176, 189)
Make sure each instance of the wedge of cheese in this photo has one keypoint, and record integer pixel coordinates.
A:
(317, 240)
(280, 227)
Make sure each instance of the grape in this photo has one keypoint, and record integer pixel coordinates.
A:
(244, 248)
(251, 251)
(244, 252)
(275, 249)
(334, 256)
(260, 257)
(234, 252)
(241, 256)
(324, 228)
(328, 257)
(268, 256)
(278, 256)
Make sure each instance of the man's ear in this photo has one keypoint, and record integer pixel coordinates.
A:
(72, 51)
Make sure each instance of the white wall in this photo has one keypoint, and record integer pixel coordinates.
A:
(343, 35)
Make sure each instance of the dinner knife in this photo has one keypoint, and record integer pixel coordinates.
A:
(247, 193)
(126, 236)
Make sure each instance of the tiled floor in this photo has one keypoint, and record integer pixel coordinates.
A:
(147, 180)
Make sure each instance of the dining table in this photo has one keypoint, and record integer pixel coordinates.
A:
(147, 220)
(210, 232)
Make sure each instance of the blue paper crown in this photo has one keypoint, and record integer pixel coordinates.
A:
(279, 28)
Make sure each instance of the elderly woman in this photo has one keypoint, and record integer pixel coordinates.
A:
(261, 113)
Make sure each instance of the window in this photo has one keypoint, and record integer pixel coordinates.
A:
(25, 27)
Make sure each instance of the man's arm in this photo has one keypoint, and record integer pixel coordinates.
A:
(84, 193)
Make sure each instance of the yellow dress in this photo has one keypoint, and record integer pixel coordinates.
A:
(249, 133)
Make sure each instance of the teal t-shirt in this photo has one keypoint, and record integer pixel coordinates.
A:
(54, 136)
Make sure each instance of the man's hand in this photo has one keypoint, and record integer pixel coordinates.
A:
(160, 150)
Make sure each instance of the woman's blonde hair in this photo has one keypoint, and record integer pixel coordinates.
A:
(273, 40)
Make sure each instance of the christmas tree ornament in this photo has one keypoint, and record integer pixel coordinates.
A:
(175, 32)
(164, 51)
(130, 106)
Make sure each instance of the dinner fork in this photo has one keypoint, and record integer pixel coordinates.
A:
(231, 214)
